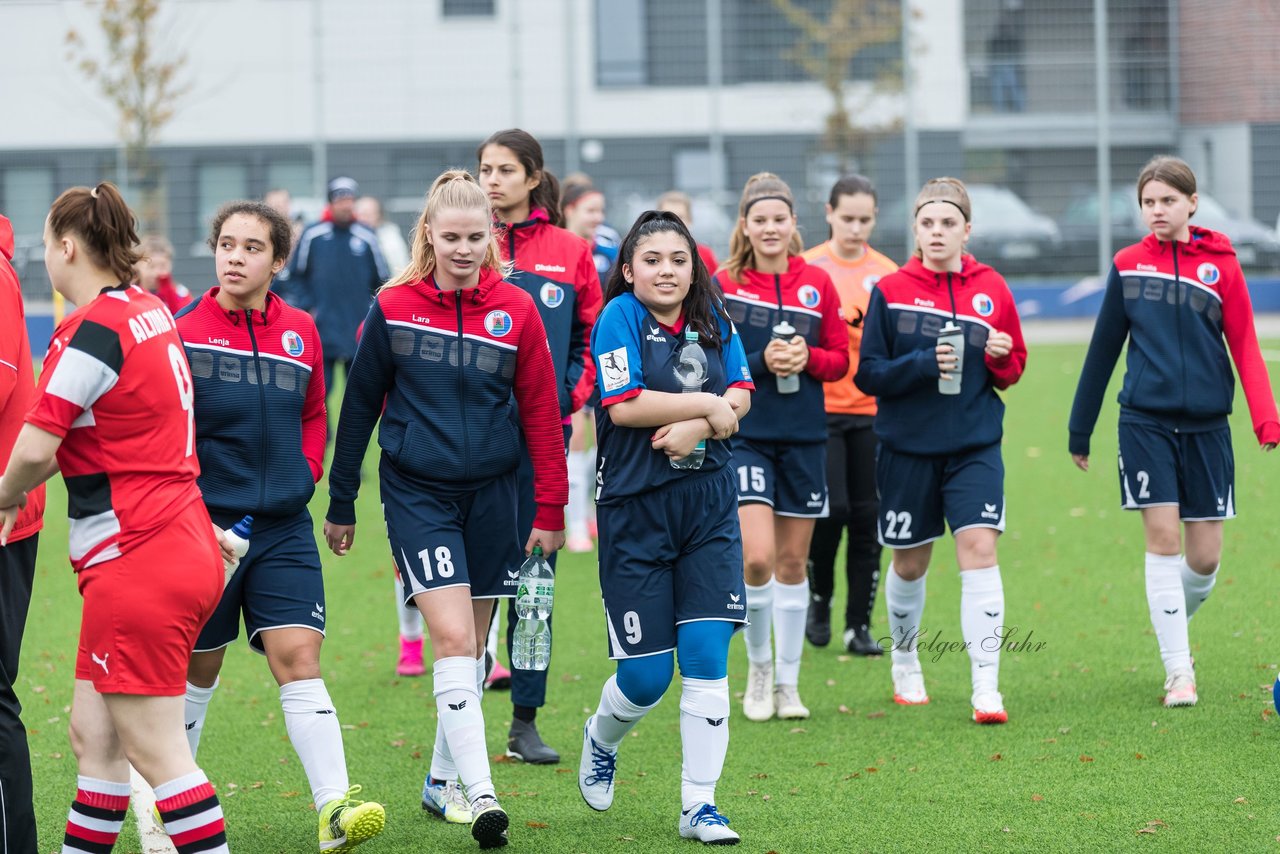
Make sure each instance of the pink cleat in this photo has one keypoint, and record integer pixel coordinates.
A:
(410, 663)
(499, 678)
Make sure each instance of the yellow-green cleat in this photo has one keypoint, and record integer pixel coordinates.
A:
(346, 822)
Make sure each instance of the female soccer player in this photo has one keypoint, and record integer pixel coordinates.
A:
(940, 453)
(445, 345)
(669, 542)
(854, 268)
(155, 273)
(260, 436)
(113, 412)
(780, 454)
(553, 266)
(1174, 296)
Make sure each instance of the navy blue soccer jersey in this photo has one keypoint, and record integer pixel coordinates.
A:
(634, 352)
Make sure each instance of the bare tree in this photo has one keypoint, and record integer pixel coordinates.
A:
(142, 85)
(825, 50)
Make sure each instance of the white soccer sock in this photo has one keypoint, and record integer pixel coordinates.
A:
(442, 767)
(615, 716)
(790, 607)
(759, 622)
(481, 673)
(981, 615)
(1196, 587)
(704, 735)
(905, 602)
(491, 642)
(409, 615)
(1168, 607)
(579, 484)
(196, 707)
(312, 724)
(458, 703)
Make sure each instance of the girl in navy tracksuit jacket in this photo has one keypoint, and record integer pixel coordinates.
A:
(445, 347)
(939, 459)
(554, 266)
(780, 455)
(1174, 296)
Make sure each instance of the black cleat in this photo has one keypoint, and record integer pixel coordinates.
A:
(859, 642)
(817, 626)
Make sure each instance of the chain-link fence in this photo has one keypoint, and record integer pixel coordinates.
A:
(650, 95)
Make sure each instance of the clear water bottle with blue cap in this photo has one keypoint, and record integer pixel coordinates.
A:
(531, 643)
(691, 372)
(237, 536)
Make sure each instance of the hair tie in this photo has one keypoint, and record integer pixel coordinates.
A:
(780, 198)
(94, 191)
(945, 202)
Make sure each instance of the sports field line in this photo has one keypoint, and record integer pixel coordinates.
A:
(153, 838)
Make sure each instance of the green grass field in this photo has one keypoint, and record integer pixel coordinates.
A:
(1090, 760)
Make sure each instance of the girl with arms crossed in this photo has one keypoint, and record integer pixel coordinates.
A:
(1174, 297)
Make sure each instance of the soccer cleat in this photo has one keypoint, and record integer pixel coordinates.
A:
(705, 824)
(410, 663)
(988, 708)
(908, 685)
(346, 823)
(859, 642)
(595, 771)
(817, 624)
(579, 545)
(489, 827)
(786, 699)
(1180, 689)
(446, 799)
(524, 743)
(757, 702)
(499, 678)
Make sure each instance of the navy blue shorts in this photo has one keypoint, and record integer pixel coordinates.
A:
(790, 477)
(918, 493)
(669, 557)
(278, 584)
(452, 535)
(1196, 472)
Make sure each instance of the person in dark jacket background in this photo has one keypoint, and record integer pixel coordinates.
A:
(1173, 297)
(939, 458)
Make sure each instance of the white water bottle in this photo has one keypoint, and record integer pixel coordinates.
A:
(531, 642)
(691, 372)
(237, 536)
(789, 384)
(953, 334)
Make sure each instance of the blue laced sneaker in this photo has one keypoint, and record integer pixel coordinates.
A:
(703, 823)
(595, 771)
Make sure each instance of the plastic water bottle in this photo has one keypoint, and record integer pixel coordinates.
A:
(531, 645)
(952, 334)
(789, 384)
(237, 537)
(691, 371)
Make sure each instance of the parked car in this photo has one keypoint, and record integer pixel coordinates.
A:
(1007, 233)
(1257, 247)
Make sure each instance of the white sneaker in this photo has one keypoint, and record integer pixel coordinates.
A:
(988, 708)
(908, 685)
(1180, 689)
(786, 699)
(703, 823)
(595, 771)
(757, 702)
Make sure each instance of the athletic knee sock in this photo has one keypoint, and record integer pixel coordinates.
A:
(195, 708)
(981, 618)
(312, 724)
(458, 704)
(442, 767)
(96, 816)
(491, 642)
(1196, 587)
(790, 607)
(905, 601)
(704, 736)
(579, 484)
(409, 616)
(1168, 606)
(191, 815)
(615, 716)
(759, 622)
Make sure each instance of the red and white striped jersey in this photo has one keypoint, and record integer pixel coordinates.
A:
(116, 387)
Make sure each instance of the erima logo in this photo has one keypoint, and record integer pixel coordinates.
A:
(547, 268)
(899, 616)
(815, 499)
(715, 721)
(417, 318)
(924, 303)
(221, 342)
(515, 574)
(655, 335)
(992, 613)
(735, 597)
(458, 707)
(814, 496)
(191, 725)
(101, 661)
(325, 711)
(318, 613)
(1174, 611)
(989, 511)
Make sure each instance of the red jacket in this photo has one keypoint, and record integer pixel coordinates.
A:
(17, 383)
(174, 296)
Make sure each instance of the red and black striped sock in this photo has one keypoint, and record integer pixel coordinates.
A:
(191, 814)
(96, 816)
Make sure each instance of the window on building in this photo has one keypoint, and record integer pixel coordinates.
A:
(217, 184)
(27, 193)
(620, 43)
(468, 8)
(292, 175)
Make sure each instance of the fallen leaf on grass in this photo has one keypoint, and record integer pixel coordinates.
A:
(764, 797)
(1037, 798)
(1240, 801)
(1005, 830)
(872, 715)
(844, 710)
(1152, 826)
(564, 770)
(38, 689)
(1084, 758)
(500, 757)
(1139, 756)
(288, 794)
(831, 683)
(399, 742)
(759, 776)
(797, 730)
(537, 825)
(256, 784)
(819, 765)
(996, 757)
(873, 770)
